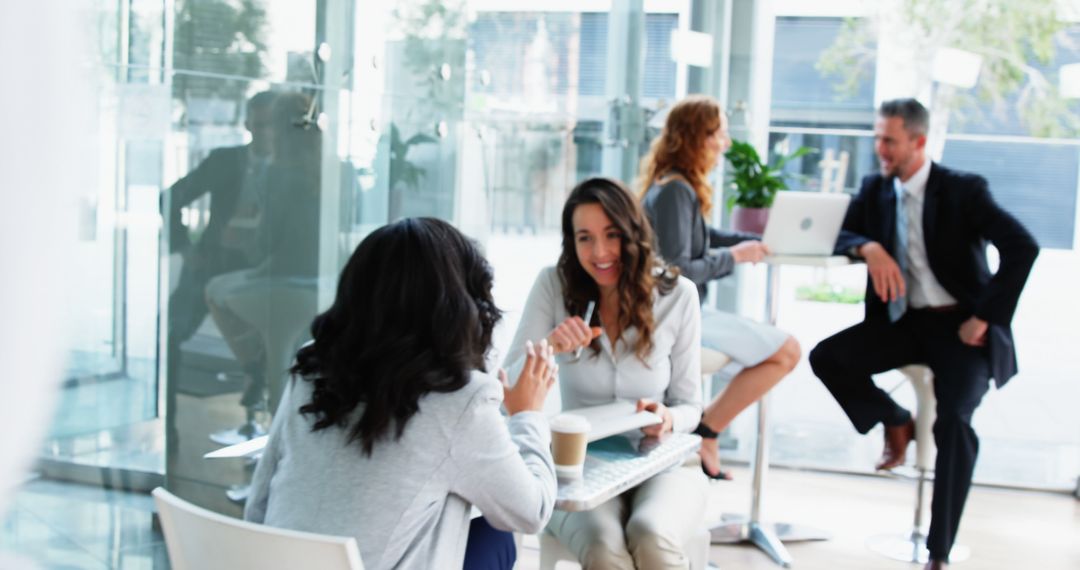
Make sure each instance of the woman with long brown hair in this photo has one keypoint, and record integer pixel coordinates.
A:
(677, 198)
(642, 344)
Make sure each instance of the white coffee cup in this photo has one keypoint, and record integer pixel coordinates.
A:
(569, 437)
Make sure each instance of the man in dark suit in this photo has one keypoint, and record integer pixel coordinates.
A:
(230, 176)
(931, 299)
(233, 178)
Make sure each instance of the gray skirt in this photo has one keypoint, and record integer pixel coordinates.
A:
(747, 342)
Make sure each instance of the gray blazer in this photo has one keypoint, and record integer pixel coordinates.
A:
(408, 503)
(684, 239)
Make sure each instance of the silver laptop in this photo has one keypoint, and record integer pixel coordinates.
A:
(805, 223)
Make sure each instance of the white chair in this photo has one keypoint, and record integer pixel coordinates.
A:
(198, 539)
(911, 547)
(552, 551)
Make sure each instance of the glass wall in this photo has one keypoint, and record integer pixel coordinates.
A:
(109, 404)
(254, 215)
(487, 113)
(207, 234)
(247, 147)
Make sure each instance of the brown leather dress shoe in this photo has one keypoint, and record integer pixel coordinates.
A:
(897, 439)
(935, 565)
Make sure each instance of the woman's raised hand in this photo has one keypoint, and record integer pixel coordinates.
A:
(572, 334)
(536, 378)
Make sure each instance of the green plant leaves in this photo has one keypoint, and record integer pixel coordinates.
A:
(755, 183)
(401, 169)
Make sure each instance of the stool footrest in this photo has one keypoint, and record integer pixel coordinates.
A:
(911, 547)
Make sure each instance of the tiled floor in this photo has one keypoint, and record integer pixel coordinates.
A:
(65, 526)
(69, 526)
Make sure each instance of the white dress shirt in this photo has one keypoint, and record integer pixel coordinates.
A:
(923, 289)
(671, 373)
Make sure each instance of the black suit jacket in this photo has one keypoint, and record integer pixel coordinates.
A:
(959, 217)
(222, 175)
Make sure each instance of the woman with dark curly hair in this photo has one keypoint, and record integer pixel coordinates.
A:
(643, 344)
(677, 196)
(391, 428)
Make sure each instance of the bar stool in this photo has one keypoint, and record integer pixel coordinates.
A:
(281, 313)
(911, 546)
(712, 361)
(552, 551)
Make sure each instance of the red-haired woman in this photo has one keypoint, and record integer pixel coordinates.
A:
(677, 198)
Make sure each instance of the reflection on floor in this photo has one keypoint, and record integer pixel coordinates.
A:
(66, 526)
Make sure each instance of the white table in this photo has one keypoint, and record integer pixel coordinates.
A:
(618, 463)
(770, 537)
(612, 465)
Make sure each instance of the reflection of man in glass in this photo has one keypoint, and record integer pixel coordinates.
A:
(231, 176)
(275, 296)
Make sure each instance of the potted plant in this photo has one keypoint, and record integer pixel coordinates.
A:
(754, 184)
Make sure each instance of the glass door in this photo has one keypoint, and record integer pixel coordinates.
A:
(111, 384)
(246, 209)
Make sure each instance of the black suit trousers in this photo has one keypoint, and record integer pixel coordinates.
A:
(845, 362)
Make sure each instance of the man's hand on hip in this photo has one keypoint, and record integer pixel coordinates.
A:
(973, 332)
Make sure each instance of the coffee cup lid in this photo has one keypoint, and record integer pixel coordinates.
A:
(572, 423)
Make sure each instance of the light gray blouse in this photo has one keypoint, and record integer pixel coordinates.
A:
(671, 373)
(408, 503)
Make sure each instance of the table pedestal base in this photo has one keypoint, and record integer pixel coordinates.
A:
(769, 537)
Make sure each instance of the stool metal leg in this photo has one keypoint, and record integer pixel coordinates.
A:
(911, 547)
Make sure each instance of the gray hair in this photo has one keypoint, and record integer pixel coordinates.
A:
(916, 118)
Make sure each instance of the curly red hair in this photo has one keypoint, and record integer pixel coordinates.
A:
(681, 147)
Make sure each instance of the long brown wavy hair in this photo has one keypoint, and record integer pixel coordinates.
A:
(642, 271)
(681, 147)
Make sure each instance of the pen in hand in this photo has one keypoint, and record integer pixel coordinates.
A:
(588, 318)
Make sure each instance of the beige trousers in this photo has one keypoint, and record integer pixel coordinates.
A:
(643, 528)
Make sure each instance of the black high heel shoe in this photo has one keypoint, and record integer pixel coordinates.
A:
(706, 433)
(721, 475)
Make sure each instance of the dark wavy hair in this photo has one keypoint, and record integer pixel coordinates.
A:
(642, 271)
(413, 314)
